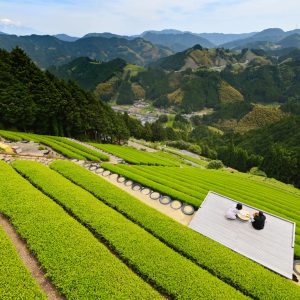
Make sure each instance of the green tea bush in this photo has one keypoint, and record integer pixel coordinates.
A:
(77, 264)
(13, 274)
(171, 273)
(259, 283)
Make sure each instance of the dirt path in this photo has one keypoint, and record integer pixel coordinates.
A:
(112, 158)
(29, 261)
(139, 146)
(12, 157)
(177, 215)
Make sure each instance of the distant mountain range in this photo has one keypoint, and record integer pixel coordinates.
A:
(270, 38)
(146, 48)
(66, 38)
(47, 50)
(176, 40)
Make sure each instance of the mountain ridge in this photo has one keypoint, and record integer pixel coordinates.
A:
(46, 50)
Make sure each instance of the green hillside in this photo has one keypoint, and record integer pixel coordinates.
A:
(33, 100)
(89, 73)
(196, 57)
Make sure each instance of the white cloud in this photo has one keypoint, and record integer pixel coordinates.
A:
(7, 22)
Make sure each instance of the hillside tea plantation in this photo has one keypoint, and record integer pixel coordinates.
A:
(66, 250)
(61, 145)
(137, 157)
(219, 260)
(93, 240)
(191, 185)
(149, 257)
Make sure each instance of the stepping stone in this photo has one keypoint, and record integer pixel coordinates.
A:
(176, 204)
(145, 191)
(106, 173)
(165, 200)
(128, 183)
(113, 176)
(99, 170)
(136, 187)
(121, 179)
(155, 195)
(188, 209)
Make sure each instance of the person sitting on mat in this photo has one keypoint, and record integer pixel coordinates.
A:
(232, 211)
(258, 220)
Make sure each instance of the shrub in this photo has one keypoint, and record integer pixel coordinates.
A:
(257, 171)
(215, 164)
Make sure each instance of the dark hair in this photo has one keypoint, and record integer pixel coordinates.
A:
(239, 206)
(260, 213)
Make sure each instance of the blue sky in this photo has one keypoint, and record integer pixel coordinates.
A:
(76, 17)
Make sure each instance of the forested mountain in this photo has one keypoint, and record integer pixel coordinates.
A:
(292, 41)
(271, 38)
(66, 38)
(279, 144)
(197, 56)
(108, 35)
(186, 91)
(222, 38)
(266, 83)
(33, 100)
(182, 40)
(47, 50)
(192, 79)
(88, 73)
(177, 42)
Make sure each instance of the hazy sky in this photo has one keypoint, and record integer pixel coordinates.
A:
(78, 17)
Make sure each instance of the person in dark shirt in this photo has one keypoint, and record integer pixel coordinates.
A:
(258, 220)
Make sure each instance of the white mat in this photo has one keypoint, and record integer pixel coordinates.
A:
(273, 247)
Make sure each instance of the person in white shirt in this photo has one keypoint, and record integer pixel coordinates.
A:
(232, 211)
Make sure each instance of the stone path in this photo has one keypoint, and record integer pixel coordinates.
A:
(144, 194)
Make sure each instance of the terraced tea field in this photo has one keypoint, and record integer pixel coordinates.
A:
(61, 145)
(137, 157)
(191, 185)
(93, 240)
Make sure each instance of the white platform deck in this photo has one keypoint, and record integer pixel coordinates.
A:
(273, 247)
